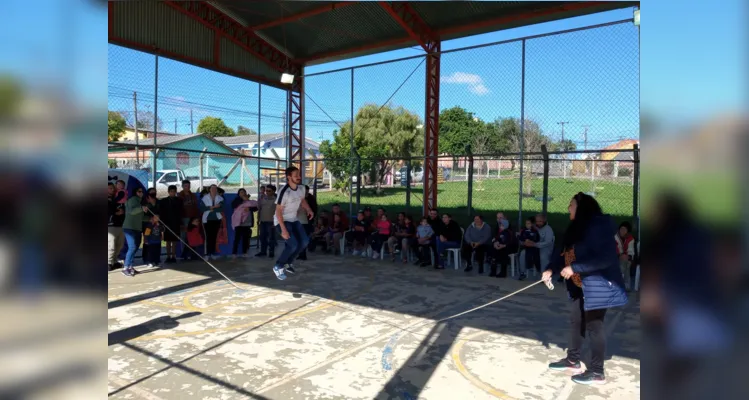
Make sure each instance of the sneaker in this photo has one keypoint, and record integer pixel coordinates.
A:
(565, 365)
(522, 277)
(245, 255)
(279, 272)
(290, 269)
(134, 271)
(271, 255)
(375, 256)
(364, 254)
(233, 257)
(127, 272)
(112, 267)
(589, 378)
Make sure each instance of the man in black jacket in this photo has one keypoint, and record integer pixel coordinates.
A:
(449, 237)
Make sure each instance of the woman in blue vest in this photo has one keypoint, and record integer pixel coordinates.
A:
(590, 266)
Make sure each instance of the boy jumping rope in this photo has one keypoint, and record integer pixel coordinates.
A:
(290, 198)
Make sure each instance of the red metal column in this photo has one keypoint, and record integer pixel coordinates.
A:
(296, 123)
(431, 127)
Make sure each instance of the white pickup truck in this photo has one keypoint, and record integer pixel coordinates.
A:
(165, 178)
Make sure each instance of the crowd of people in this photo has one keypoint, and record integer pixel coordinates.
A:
(292, 215)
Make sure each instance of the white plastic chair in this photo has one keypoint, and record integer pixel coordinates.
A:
(455, 253)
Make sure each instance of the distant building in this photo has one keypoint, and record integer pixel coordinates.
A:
(268, 142)
(129, 134)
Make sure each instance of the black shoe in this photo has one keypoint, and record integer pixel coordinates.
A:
(271, 255)
(565, 365)
(521, 277)
(493, 275)
(423, 264)
(290, 269)
(468, 268)
(481, 270)
(439, 267)
(261, 254)
(112, 267)
(589, 378)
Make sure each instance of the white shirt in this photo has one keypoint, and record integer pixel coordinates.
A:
(291, 200)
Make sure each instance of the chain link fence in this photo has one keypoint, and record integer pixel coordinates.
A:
(574, 93)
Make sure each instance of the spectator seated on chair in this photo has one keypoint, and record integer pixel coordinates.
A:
(450, 237)
(503, 244)
(424, 239)
(394, 241)
(358, 234)
(319, 235)
(407, 237)
(476, 243)
(338, 228)
(532, 253)
(384, 229)
(625, 249)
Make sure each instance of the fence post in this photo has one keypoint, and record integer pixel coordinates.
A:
(358, 181)
(314, 178)
(522, 135)
(469, 176)
(636, 188)
(408, 186)
(546, 179)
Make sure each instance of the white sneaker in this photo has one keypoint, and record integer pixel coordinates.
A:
(149, 265)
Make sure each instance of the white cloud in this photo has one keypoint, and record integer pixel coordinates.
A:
(474, 82)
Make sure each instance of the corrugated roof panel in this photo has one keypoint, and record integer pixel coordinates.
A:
(237, 58)
(439, 15)
(159, 25)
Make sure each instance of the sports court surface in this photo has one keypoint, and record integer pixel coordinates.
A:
(346, 328)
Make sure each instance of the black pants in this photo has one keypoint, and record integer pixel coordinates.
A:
(501, 257)
(243, 234)
(588, 323)
(467, 251)
(377, 242)
(211, 234)
(315, 241)
(533, 258)
(424, 253)
(308, 229)
(356, 237)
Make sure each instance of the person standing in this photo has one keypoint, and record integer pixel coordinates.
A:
(307, 224)
(151, 202)
(133, 227)
(594, 284)
(211, 205)
(286, 220)
(116, 238)
(190, 211)
(170, 213)
(545, 244)
(266, 212)
(625, 249)
(242, 221)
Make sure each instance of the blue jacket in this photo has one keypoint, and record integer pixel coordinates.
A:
(598, 266)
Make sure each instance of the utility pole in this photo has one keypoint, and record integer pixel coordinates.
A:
(590, 158)
(564, 156)
(191, 126)
(135, 107)
(175, 126)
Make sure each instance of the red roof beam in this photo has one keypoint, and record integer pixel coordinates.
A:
(301, 15)
(416, 28)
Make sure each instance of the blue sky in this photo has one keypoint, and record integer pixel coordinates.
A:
(694, 66)
(583, 78)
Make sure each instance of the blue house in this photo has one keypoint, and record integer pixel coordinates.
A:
(184, 152)
(266, 143)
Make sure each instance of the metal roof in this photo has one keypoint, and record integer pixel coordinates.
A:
(310, 32)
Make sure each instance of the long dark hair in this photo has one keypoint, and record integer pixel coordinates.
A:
(587, 209)
(238, 200)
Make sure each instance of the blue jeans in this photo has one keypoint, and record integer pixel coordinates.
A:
(132, 237)
(297, 241)
(441, 247)
(267, 234)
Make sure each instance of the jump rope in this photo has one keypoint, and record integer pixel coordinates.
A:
(548, 283)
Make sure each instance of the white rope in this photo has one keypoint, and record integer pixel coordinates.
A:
(196, 253)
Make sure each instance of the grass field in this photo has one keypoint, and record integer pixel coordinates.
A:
(491, 196)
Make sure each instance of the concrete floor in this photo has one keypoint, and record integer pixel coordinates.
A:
(347, 328)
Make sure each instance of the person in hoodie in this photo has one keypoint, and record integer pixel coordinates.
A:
(476, 241)
(545, 245)
(625, 249)
(532, 254)
(594, 283)
(242, 221)
(504, 243)
(267, 232)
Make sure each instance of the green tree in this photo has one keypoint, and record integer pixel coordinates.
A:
(458, 128)
(11, 94)
(381, 137)
(243, 131)
(563, 145)
(214, 127)
(145, 120)
(115, 126)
